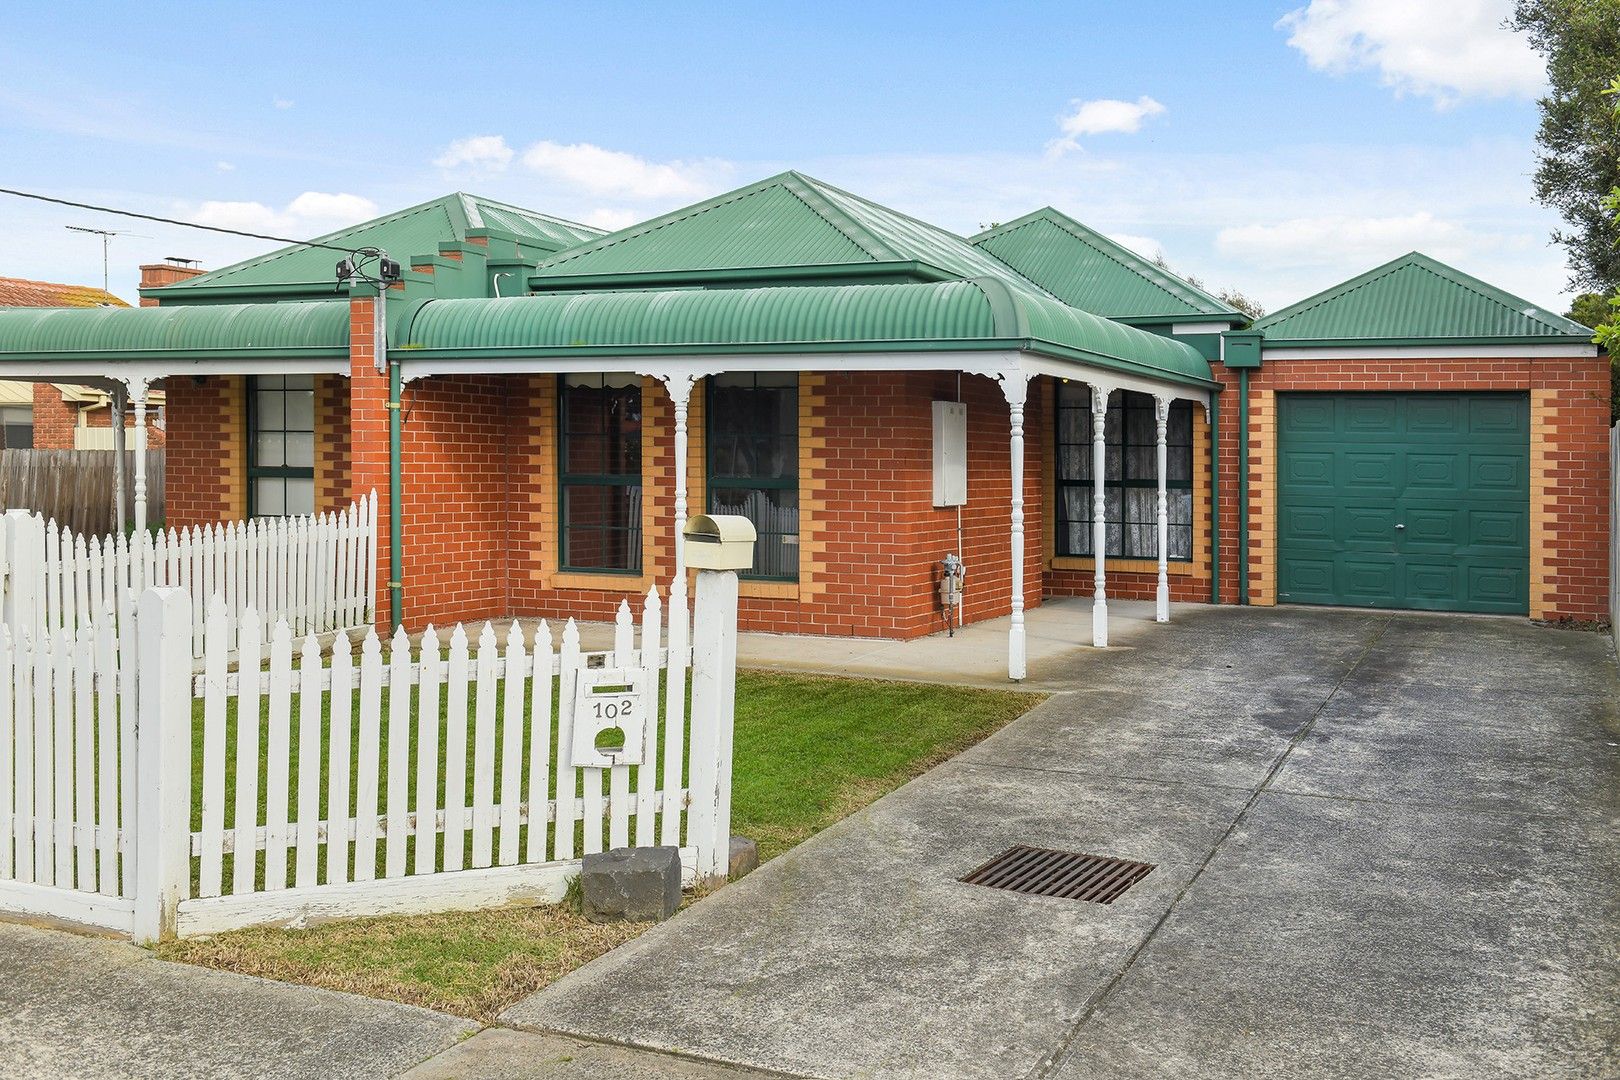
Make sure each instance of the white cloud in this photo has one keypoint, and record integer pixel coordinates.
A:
(1101, 116)
(598, 171)
(1145, 246)
(1336, 239)
(612, 218)
(479, 153)
(1462, 51)
(224, 166)
(283, 103)
(310, 214)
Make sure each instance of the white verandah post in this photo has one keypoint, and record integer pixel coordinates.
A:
(1161, 414)
(118, 402)
(1099, 516)
(137, 395)
(1015, 386)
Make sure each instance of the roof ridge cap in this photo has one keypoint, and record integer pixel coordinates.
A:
(866, 239)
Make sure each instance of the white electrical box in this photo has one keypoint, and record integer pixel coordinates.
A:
(950, 453)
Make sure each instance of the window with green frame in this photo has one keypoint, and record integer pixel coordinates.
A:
(753, 463)
(1130, 477)
(281, 445)
(600, 452)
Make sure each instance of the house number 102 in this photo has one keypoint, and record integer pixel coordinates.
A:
(616, 709)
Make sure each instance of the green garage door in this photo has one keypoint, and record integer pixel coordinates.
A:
(1404, 501)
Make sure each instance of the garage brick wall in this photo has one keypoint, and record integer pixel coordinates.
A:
(1569, 460)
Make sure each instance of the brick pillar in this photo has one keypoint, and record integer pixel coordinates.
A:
(368, 436)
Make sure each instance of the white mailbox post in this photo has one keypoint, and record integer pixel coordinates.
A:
(717, 546)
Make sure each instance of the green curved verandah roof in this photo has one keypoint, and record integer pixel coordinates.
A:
(295, 330)
(979, 313)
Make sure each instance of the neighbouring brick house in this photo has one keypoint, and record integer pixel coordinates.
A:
(44, 415)
(559, 399)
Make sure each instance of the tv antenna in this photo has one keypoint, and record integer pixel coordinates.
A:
(106, 238)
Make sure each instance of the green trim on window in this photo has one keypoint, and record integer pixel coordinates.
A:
(256, 471)
(718, 481)
(567, 480)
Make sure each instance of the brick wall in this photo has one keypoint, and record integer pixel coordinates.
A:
(54, 419)
(480, 525)
(205, 460)
(1569, 463)
(332, 480)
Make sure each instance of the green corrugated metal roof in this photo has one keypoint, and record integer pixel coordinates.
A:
(981, 313)
(1085, 269)
(1414, 300)
(786, 226)
(184, 331)
(416, 230)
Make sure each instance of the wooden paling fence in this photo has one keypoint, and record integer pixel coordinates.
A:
(75, 487)
(317, 572)
(470, 772)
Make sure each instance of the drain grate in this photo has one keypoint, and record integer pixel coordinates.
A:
(1043, 872)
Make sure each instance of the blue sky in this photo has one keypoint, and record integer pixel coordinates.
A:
(1274, 147)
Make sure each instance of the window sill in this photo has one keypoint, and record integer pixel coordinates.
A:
(1127, 566)
(769, 590)
(607, 581)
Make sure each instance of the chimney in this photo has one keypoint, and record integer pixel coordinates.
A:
(167, 272)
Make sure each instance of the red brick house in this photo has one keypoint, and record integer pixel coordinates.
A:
(875, 394)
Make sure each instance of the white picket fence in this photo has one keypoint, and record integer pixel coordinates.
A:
(465, 775)
(318, 572)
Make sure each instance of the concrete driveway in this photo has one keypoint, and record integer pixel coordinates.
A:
(1385, 846)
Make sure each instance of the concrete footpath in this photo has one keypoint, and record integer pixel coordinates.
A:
(81, 1008)
(1385, 846)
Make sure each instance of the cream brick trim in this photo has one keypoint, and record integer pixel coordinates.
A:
(1263, 497)
(1542, 454)
(235, 448)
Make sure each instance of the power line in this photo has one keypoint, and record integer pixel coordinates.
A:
(183, 224)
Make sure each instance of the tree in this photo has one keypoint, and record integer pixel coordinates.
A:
(1235, 297)
(1589, 309)
(1579, 163)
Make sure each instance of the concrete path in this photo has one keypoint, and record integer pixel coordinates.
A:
(1058, 634)
(1386, 846)
(79, 1008)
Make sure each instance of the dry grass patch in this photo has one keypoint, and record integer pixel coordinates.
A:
(472, 964)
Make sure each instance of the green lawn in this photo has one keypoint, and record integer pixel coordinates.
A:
(808, 751)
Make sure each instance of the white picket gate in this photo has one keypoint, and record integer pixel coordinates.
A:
(319, 572)
(472, 774)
